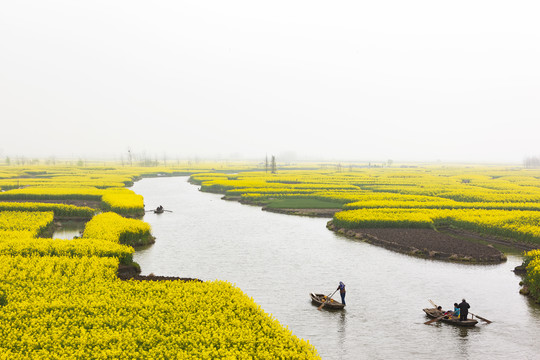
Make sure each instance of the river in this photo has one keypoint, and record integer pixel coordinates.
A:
(279, 259)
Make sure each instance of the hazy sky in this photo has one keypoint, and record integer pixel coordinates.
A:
(352, 80)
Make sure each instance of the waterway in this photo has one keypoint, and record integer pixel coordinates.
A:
(69, 230)
(279, 259)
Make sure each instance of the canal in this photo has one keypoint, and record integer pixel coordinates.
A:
(279, 259)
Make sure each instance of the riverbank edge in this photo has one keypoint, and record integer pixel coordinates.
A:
(322, 213)
(524, 290)
(521, 270)
(133, 271)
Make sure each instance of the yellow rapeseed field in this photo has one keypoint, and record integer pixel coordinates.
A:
(76, 308)
(532, 278)
(115, 228)
(493, 200)
(61, 299)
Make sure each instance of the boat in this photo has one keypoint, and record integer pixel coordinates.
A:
(159, 211)
(435, 313)
(332, 304)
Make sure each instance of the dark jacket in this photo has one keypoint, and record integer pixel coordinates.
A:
(464, 307)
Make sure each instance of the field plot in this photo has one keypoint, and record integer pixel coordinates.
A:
(63, 298)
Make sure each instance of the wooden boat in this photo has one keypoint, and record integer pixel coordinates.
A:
(434, 313)
(159, 211)
(332, 304)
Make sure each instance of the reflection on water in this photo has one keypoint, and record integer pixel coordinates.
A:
(279, 259)
(69, 229)
(341, 332)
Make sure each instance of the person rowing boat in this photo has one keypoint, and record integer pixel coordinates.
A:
(463, 310)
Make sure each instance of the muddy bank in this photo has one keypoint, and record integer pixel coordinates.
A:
(426, 243)
(324, 213)
(133, 271)
(157, 278)
(314, 212)
(139, 243)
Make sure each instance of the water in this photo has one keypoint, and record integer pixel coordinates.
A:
(69, 230)
(279, 259)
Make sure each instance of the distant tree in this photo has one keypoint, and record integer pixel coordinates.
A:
(51, 160)
(21, 160)
(273, 164)
(146, 161)
(390, 162)
(532, 162)
(8, 160)
(80, 163)
(266, 164)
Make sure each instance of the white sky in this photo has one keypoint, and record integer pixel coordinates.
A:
(351, 80)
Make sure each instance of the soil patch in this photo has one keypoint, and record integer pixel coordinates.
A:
(312, 212)
(132, 272)
(325, 213)
(426, 243)
(158, 278)
(491, 239)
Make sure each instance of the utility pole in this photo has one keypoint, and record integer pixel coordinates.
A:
(130, 159)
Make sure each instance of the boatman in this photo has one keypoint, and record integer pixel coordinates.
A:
(463, 310)
(341, 289)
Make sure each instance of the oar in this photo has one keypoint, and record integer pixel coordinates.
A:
(325, 301)
(481, 318)
(168, 210)
(433, 320)
(436, 319)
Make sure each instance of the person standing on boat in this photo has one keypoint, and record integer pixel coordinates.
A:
(463, 310)
(341, 289)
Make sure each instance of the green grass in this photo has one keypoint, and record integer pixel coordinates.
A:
(303, 204)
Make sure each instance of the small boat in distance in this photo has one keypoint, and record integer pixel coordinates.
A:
(159, 210)
(319, 299)
(434, 313)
